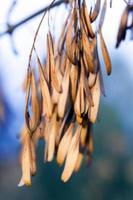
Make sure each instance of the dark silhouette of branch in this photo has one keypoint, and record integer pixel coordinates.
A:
(11, 10)
(11, 28)
(129, 2)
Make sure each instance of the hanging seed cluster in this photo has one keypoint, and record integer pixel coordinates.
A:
(124, 25)
(62, 106)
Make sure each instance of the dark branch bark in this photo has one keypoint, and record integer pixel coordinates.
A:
(11, 28)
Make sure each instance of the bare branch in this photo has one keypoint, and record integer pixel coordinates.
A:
(11, 10)
(11, 28)
(129, 3)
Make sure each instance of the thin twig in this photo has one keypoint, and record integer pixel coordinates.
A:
(11, 28)
(11, 10)
(129, 3)
(38, 28)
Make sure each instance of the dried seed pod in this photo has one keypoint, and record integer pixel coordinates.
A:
(62, 125)
(72, 155)
(82, 97)
(78, 162)
(54, 96)
(91, 79)
(62, 37)
(53, 70)
(64, 144)
(85, 84)
(27, 115)
(63, 63)
(96, 99)
(77, 103)
(25, 159)
(87, 106)
(82, 21)
(47, 103)
(63, 98)
(95, 13)
(86, 51)
(70, 39)
(51, 137)
(123, 27)
(73, 81)
(79, 119)
(32, 120)
(105, 54)
(35, 119)
(33, 158)
(87, 20)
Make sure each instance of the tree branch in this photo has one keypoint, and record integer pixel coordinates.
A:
(128, 2)
(11, 28)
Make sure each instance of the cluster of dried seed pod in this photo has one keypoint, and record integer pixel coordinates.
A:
(62, 106)
(124, 24)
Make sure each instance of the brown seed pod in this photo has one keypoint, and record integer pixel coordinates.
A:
(105, 54)
(53, 69)
(79, 104)
(32, 120)
(47, 102)
(63, 98)
(51, 137)
(96, 99)
(85, 84)
(72, 155)
(78, 162)
(87, 52)
(94, 14)
(35, 119)
(27, 115)
(62, 126)
(73, 81)
(70, 39)
(25, 159)
(87, 20)
(123, 27)
(64, 144)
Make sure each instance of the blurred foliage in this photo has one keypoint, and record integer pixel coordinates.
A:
(109, 177)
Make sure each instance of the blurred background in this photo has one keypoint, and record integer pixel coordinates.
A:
(111, 174)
